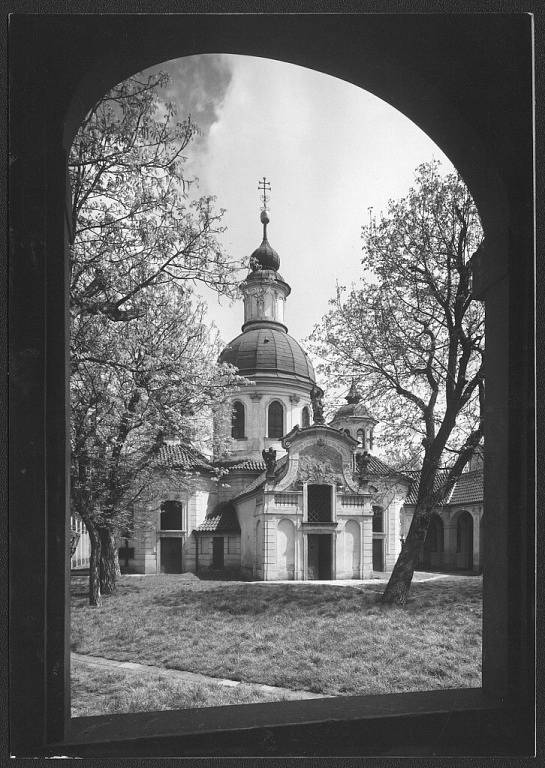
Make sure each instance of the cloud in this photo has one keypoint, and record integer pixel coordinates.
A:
(330, 150)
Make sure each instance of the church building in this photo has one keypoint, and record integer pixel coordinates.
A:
(293, 498)
(296, 498)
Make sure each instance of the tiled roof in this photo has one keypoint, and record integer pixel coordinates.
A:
(253, 465)
(378, 467)
(182, 456)
(223, 518)
(468, 489)
(255, 484)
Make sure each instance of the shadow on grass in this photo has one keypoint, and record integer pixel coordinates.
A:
(253, 599)
(79, 589)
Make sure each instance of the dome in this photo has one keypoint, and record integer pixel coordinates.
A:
(264, 257)
(352, 409)
(268, 350)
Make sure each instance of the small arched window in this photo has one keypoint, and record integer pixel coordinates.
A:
(305, 417)
(361, 438)
(276, 419)
(237, 421)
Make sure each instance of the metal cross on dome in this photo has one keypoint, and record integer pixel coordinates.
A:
(264, 186)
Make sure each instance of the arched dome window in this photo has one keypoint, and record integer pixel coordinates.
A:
(361, 437)
(305, 417)
(275, 419)
(237, 421)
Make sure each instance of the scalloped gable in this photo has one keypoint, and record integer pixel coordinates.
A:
(319, 431)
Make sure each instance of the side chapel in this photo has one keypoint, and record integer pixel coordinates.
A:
(297, 498)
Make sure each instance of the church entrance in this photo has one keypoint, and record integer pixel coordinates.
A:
(217, 552)
(319, 556)
(171, 554)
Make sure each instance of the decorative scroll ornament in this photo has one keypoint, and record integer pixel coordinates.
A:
(320, 465)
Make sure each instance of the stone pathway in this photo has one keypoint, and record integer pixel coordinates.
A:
(193, 677)
(419, 576)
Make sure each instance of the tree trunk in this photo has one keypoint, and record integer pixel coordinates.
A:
(95, 597)
(397, 589)
(109, 562)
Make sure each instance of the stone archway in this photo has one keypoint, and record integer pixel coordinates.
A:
(464, 541)
(432, 551)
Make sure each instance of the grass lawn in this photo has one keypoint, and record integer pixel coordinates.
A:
(100, 692)
(328, 639)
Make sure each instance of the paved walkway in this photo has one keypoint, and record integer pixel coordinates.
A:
(419, 576)
(193, 677)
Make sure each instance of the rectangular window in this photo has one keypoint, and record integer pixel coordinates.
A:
(172, 516)
(378, 520)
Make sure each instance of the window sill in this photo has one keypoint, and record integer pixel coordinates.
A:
(447, 722)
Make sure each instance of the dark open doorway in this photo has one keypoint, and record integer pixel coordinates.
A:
(171, 555)
(319, 556)
(378, 554)
(217, 552)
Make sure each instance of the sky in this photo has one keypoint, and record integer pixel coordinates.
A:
(330, 150)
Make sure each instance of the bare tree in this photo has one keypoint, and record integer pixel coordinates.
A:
(413, 335)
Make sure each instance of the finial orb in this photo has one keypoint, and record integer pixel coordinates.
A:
(264, 216)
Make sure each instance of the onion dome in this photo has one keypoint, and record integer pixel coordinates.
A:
(264, 257)
(270, 351)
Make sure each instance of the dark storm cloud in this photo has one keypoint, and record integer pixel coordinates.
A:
(197, 86)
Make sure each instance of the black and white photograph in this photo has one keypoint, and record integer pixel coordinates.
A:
(271, 385)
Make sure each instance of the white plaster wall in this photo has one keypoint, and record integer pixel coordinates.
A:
(246, 519)
(392, 527)
(367, 547)
(264, 300)
(256, 401)
(285, 553)
(348, 546)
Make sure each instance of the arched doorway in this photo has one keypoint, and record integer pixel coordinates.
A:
(464, 542)
(432, 551)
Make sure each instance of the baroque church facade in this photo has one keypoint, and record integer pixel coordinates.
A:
(294, 498)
